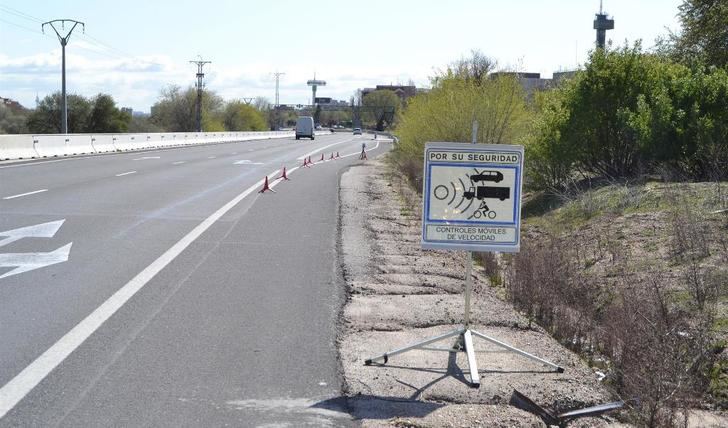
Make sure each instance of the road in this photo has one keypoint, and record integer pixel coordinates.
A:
(187, 297)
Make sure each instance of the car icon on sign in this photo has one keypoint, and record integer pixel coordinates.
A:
(496, 176)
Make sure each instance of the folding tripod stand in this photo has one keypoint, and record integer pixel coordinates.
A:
(464, 342)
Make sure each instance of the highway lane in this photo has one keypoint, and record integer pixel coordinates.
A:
(120, 224)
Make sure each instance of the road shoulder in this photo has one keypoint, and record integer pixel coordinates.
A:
(398, 293)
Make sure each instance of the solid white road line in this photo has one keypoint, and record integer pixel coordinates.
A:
(26, 194)
(323, 148)
(359, 153)
(15, 390)
(178, 163)
(29, 162)
(125, 173)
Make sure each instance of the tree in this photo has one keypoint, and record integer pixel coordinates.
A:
(704, 34)
(99, 114)
(474, 69)
(46, 118)
(13, 121)
(106, 117)
(381, 108)
(447, 112)
(239, 116)
(175, 111)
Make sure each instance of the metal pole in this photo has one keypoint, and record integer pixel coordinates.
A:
(64, 105)
(469, 254)
(64, 41)
(468, 285)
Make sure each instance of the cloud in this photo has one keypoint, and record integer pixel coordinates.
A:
(136, 81)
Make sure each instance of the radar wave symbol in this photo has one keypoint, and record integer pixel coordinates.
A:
(443, 192)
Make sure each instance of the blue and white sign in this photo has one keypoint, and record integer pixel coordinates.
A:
(472, 197)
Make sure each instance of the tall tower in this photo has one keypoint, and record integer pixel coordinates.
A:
(314, 84)
(278, 75)
(602, 23)
(200, 86)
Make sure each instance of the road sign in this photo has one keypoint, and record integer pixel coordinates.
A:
(24, 262)
(472, 197)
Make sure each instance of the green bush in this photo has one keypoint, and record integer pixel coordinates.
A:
(630, 113)
(447, 112)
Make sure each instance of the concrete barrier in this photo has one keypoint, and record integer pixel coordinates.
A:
(80, 144)
(103, 143)
(127, 142)
(49, 146)
(26, 146)
(17, 147)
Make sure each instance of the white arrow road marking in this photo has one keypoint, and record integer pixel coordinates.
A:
(247, 162)
(147, 157)
(26, 194)
(43, 230)
(24, 262)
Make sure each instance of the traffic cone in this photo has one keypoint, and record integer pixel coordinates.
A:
(322, 157)
(305, 163)
(309, 161)
(283, 175)
(332, 156)
(266, 186)
(337, 155)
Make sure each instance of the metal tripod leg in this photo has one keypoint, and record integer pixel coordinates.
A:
(472, 365)
(385, 357)
(497, 342)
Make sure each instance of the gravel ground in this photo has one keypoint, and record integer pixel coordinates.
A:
(399, 294)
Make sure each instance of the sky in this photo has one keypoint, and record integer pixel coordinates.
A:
(133, 49)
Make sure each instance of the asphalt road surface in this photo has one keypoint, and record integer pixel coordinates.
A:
(159, 288)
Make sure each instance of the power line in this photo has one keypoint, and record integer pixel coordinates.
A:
(20, 14)
(23, 27)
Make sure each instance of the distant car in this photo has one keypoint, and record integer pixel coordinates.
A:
(357, 131)
(487, 176)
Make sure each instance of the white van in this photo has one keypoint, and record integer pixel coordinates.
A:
(304, 127)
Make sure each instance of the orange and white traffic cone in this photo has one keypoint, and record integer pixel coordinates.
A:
(266, 186)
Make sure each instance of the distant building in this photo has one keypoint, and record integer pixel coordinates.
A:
(529, 81)
(11, 104)
(404, 92)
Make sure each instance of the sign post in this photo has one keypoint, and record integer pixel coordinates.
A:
(471, 202)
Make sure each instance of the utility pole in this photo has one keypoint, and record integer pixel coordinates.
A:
(64, 42)
(199, 85)
(278, 75)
